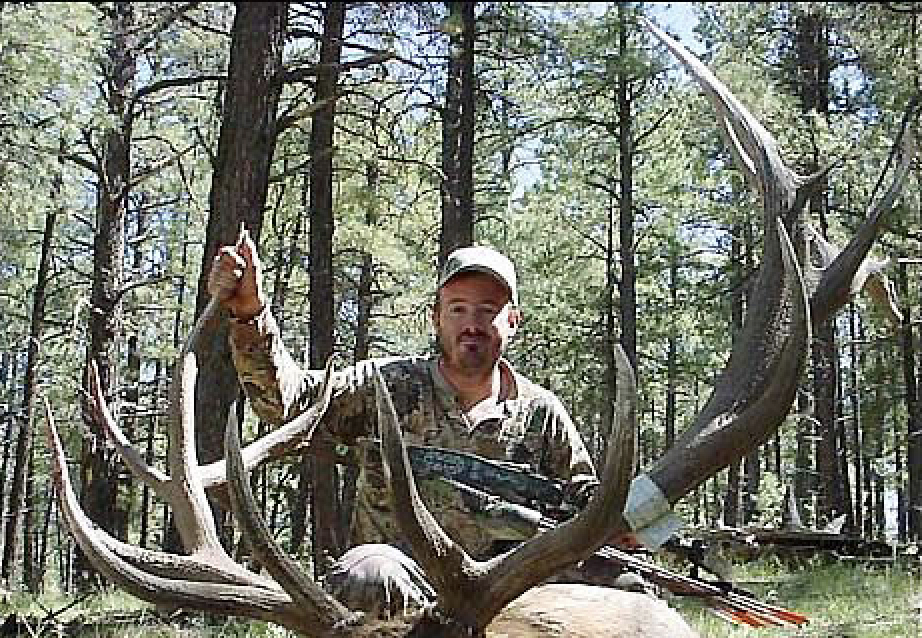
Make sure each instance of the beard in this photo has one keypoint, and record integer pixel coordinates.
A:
(469, 353)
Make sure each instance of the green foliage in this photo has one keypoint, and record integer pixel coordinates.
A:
(547, 174)
(840, 599)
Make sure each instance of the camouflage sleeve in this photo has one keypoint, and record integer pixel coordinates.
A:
(277, 387)
(562, 453)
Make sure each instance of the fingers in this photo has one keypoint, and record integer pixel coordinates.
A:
(226, 272)
(229, 262)
(235, 277)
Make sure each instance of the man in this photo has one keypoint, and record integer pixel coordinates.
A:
(467, 397)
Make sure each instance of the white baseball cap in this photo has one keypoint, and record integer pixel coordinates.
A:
(481, 259)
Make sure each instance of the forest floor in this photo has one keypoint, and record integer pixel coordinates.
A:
(841, 599)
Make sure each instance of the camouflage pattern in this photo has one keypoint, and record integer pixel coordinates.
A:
(530, 427)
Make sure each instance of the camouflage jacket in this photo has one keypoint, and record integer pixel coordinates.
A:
(530, 427)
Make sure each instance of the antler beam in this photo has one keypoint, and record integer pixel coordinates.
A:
(758, 385)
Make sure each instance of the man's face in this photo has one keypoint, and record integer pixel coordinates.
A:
(474, 321)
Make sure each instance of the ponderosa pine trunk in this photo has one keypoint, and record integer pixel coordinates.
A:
(239, 187)
(457, 188)
(913, 419)
(16, 533)
(325, 483)
(98, 465)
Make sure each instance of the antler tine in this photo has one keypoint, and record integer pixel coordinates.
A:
(159, 577)
(473, 592)
(544, 555)
(151, 476)
(320, 609)
(280, 441)
(439, 555)
(182, 413)
(784, 192)
(182, 488)
(754, 148)
(207, 579)
(837, 281)
(737, 416)
(758, 384)
(192, 512)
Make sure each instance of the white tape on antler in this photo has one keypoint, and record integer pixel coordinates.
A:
(649, 514)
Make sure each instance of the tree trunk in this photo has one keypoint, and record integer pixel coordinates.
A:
(804, 476)
(856, 442)
(913, 420)
(738, 251)
(298, 499)
(131, 406)
(366, 301)
(458, 133)
(610, 336)
(813, 71)
(152, 422)
(752, 465)
(878, 514)
(8, 373)
(825, 390)
(627, 283)
(42, 559)
(902, 517)
(672, 372)
(170, 536)
(239, 187)
(31, 575)
(98, 466)
(731, 504)
(23, 456)
(325, 484)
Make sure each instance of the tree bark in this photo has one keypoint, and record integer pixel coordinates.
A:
(149, 436)
(731, 504)
(23, 455)
(856, 332)
(913, 420)
(627, 282)
(813, 71)
(457, 187)
(325, 483)
(804, 475)
(672, 372)
(366, 300)
(239, 187)
(99, 470)
(738, 251)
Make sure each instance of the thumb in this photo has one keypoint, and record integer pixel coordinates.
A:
(245, 246)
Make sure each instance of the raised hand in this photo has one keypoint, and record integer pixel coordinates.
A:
(236, 277)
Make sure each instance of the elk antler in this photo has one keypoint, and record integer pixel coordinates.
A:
(759, 383)
(207, 578)
(473, 592)
(470, 593)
